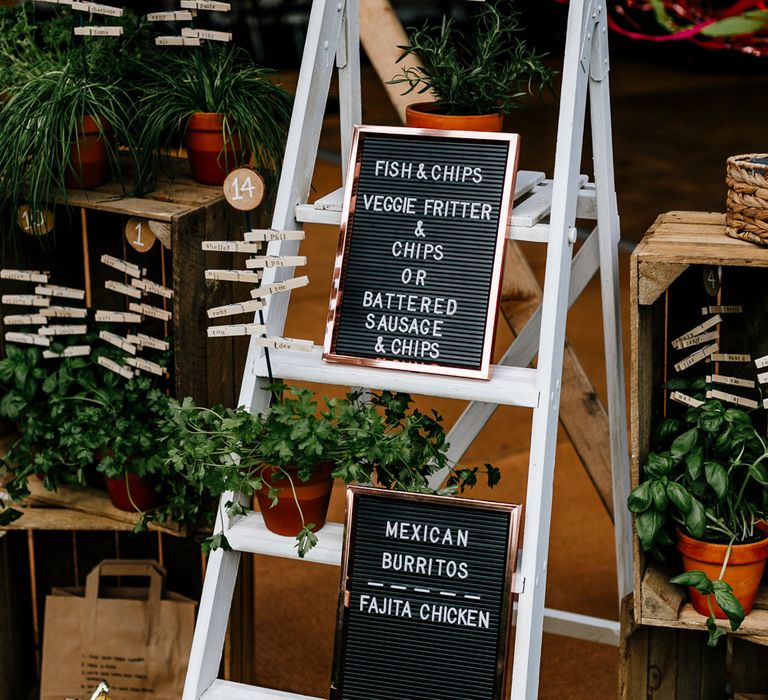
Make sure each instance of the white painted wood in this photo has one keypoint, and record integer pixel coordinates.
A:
(534, 208)
(249, 534)
(513, 386)
(226, 690)
(350, 100)
(608, 226)
(590, 629)
(538, 502)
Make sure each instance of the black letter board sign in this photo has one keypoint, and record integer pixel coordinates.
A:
(419, 264)
(425, 597)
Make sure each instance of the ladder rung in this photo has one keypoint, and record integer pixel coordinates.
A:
(226, 690)
(535, 207)
(249, 534)
(511, 386)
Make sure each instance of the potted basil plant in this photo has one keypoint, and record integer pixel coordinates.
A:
(705, 488)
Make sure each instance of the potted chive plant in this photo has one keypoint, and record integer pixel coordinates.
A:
(289, 456)
(224, 109)
(476, 75)
(705, 488)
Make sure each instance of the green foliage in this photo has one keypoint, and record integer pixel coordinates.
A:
(212, 78)
(380, 440)
(78, 419)
(487, 70)
(706, 475)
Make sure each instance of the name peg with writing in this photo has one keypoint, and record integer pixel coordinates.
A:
(27, 338)
(122, 265)
(63, 330)
(71, 351)
(24, 275)
(240, 329)
(118, 341)
(268, 235)
(120, 288)
(63, 312)
(231, 247)
(151, 311)
(145, 365)
(24, 300)
(117, 317)
(233, 276)
(277, 287)
(266, 261)
(152, 288)
(24, 320)
(54, 290)
(98, 31)
(147, 341)
(240, 308)
(113, 366)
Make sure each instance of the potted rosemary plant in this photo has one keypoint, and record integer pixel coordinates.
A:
(224, 108)
(476, 76)
(705, 487)
(289, 456)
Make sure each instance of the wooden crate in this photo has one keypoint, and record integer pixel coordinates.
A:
(666, 663)
(183, 213)
(667, 285)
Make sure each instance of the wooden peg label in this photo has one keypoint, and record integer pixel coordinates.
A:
(695, 340)
(147, 341)
(63, 330)
(276, 287)
(732, 398)
(176, 41)
(285, 344)
(118, 341)
(98, 31)
(266, 261)
(121, 265)
(97, 9)
(151, 311)
(27, 339)
(233, 276)
(71, 351)
(685, 399)
(734, 309)
(24, 320)
(152, 288)
(172, 16)
(241, 329)
(243, 188)
(54, 290)
(24, 276)
(696, 357)
(761, 362)
(709, 323)
(232, 309)
(37, 223)
(111, 365)
(24, 300)
(139, 235)
(269, 235)
(731, 381)
(117, 317)
(730, 357)
(210, 5)
(121, 288)
(145, 365)
(231, 247)
(63, 312)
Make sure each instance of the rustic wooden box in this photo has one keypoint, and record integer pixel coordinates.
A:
(668, 271)
(184, 213)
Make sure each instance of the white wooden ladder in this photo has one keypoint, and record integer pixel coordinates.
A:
(333, 42)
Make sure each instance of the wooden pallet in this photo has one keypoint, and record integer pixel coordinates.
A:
(667, 293)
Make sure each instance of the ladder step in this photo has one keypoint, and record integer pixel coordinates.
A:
(226, 690)
(249, 534)
(535, 207)
(511, 386)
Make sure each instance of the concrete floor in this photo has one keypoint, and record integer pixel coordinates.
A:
(673, 130)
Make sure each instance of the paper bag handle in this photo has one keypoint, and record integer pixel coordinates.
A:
(124, 567)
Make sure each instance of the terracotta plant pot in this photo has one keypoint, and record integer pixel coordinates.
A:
(743, 573)
(204, 141)
(424, 115)
(89, 166)
(132, 493)
(313, 497)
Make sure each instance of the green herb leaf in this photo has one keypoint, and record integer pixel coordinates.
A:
(683, 444)
(717, 478)
(680, 498)
(640, 498)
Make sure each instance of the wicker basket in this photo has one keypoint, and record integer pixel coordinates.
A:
(747, 215)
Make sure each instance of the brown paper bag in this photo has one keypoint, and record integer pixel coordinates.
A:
(136, 639)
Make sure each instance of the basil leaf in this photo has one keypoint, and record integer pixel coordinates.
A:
(715, 632)
(683, 444)
(648, 525)
(659, 494)
(640, 498)
(717, 478)
(696, 521)
(731, 607)
(693, 460)
(680, 498)
(697, 579)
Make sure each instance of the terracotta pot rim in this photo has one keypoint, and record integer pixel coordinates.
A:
(714, 552)
(206, 121)
(434, 108)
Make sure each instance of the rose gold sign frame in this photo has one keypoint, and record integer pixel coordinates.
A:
(345, 235)
(505, 617)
